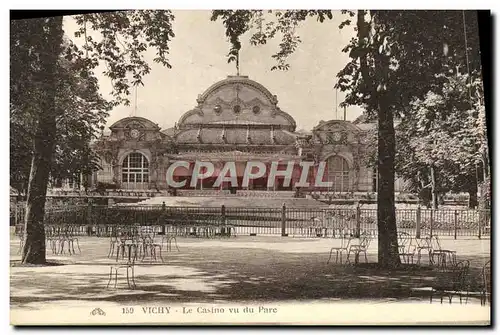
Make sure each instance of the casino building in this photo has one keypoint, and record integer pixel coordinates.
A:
(237, 120)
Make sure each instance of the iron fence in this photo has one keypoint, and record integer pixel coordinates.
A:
(303, 222)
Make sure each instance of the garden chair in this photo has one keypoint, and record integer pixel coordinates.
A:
(424, 244)
(64, 240)
(170, 237)
(406, 248)
(114, 241)
(314, 228)
(127, 263)
(300, 226)
(445, 257)
(453, 283)
(362, 247)
(71, 238)
(151, 248)
(486, 284)
(345, 242)
(228, 231)
(51, 238)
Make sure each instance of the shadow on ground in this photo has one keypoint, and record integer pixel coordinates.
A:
(215, 274)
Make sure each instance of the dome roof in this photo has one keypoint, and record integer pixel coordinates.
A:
(237, 100)
(235, 136)
(135, 121)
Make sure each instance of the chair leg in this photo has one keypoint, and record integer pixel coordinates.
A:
(366, 258)
(133, 277)
(78, 245)
(72, 243)
(110, 276)
(176, 245)
(161, 257)
(111, 248)
(328, 261)
(116, 277)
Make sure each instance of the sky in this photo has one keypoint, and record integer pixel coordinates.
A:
(198, 58)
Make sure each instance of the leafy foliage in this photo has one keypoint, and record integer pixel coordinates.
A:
(80, 110)
(124, 37)
(55, 100)
(266, 25)
(396, 59)
(445, 130)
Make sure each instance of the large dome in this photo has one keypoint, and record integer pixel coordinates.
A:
(235, 101)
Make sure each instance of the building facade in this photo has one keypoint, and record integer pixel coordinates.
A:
(235, 120)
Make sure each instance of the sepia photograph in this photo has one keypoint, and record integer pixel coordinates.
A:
(250, 167)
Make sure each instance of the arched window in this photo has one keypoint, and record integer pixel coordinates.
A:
(135, 171)
(338, 174)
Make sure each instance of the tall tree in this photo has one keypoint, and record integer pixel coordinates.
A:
(36, 48)
(392, 62)
(80, 110)
(443, 138)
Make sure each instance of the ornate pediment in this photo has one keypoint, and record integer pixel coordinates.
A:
(336, 137)
(238, 98)
(134, 121)
(135, 131)
(255, 105)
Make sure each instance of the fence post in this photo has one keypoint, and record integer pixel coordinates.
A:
(223, 214)
(480, 219)
(163, 210)
(358, 220)
(455, 224)
(432, 222)
(419, 221)
(283, 220)
(89, 218)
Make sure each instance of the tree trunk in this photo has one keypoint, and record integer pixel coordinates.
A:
(48, 47)
(388, 253)
(472, 189)
(388, 250)
(434, 196)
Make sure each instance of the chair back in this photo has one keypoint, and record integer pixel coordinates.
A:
(425, 242)
(365, 241)
(435, 244)
(129, 253)
(147, 232)
(404, 238)
(345, 240)
(314, 222)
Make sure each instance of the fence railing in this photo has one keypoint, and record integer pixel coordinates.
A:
(326, 222)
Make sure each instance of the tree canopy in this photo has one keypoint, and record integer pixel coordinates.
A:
(398, 59)
(55, 105)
